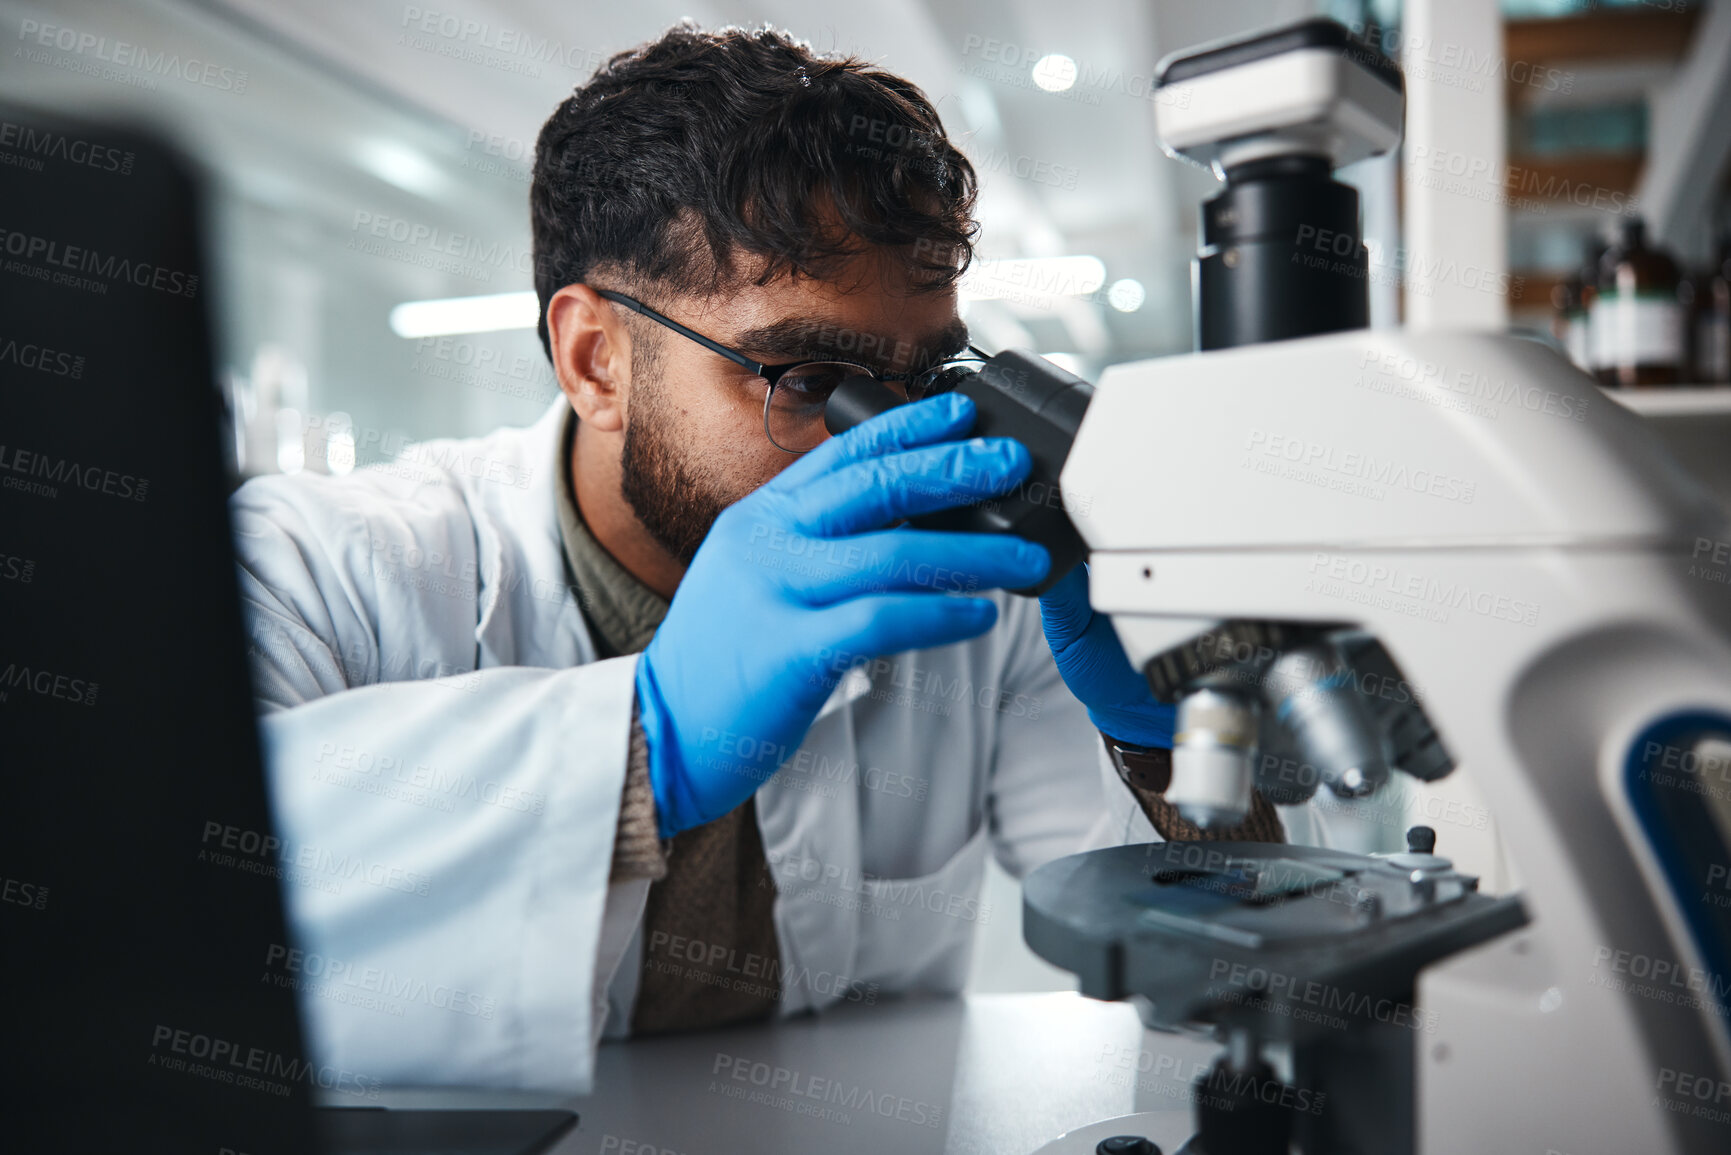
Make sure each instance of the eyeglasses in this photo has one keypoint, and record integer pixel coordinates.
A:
(799, 391)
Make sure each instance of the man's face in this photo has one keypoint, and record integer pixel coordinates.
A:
(694, 438)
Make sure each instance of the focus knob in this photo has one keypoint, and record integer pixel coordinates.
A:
(1126, 1145)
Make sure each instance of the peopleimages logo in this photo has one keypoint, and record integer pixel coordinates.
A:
(1365, 468)
(225, 1061)
(801, 1093)
(259, 852)
(1488, 178)
(1294, 996)
(467, 39)
(334, 978)
(1195, 1079)
(32, 895)
(54, 471)
(18, 569)
(1453, 63)
(1440, 379)
(418, 243)
(884, 894)
(1014, 63)
(47, 684)
(1396, 587)
(41, 358)
(38, 144)
(110, 267)
(124, 54)
(719, 965)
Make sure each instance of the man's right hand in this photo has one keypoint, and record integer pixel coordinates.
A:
(806, 568)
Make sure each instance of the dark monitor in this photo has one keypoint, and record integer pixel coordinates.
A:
(139, 899)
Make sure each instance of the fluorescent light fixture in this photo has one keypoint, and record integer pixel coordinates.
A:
(1028, 280)
(1055, 72)
(1126, 295)
(979, 108)
(405, 167)
(340, 444)
(466, 315)
(291, 446)
(1032, 280)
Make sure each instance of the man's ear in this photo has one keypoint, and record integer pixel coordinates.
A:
(591, 356)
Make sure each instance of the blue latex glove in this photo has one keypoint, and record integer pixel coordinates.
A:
(804, 569)
(1095, 668)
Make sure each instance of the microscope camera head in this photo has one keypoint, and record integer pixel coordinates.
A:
(1307, 89)
(1273, 115)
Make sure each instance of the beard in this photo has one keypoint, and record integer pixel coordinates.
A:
(672, 495)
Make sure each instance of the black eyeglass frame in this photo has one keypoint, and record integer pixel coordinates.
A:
(770, 373)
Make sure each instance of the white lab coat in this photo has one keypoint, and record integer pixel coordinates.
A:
(447, 756)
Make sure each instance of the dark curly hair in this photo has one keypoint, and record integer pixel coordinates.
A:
(679, 156)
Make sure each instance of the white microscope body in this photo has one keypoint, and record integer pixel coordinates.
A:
(1477, 559)
(1536, 564)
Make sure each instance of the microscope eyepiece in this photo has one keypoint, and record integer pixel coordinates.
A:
(950, 379)
(1015, 394)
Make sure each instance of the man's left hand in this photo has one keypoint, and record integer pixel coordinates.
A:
(1095, 668)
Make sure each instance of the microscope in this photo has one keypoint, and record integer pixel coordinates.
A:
(1338, 573)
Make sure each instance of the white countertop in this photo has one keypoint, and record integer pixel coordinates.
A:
(998, 1074)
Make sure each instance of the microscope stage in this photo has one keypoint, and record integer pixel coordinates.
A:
(1292, 937)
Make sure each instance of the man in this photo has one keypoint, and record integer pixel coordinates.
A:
(650, 717)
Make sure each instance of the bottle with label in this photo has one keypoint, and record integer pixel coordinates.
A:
(1636, 317)
(1692, 293)
(1582, 343)
(1569, 318)
(1713, 320)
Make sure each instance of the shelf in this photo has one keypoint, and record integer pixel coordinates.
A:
(1531, 288)
(1602, 35)
(1568, 176)
(1678, 401)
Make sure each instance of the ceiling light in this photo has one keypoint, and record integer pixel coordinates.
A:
(1055, 73)
(466, 315)
(1030, 279)
(405, 167)
(1126, 295)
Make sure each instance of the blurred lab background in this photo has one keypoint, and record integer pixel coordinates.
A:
(369, 157)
